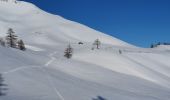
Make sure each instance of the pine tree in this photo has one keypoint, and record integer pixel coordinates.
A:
(11, 38)
(97, 43)
(21, 45)
(2, 85)
(68, 52)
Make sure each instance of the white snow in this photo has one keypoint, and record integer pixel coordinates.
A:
(33, 48)
(42, 72)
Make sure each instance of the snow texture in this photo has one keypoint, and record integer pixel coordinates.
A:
(43, 73)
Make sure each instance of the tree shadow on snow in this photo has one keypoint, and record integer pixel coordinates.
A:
(99, 98)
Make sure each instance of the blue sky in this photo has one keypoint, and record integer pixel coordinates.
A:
(139, 22)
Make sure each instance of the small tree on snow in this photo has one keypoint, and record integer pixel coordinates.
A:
(21, 45)
(68, 52)
(11, 38)
(2, 85)
(97, 43)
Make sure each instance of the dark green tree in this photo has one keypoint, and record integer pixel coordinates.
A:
(68, 52)
(21, 45)
(11, 38)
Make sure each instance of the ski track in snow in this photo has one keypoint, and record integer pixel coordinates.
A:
(18, 69)
(48, 76)
(90, 79)
(51, 83)
(49, 62)
(52, 59)
(46, 73)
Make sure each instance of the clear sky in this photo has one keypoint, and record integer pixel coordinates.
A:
(139, 22)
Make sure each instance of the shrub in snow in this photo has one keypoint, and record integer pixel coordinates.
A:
(80, 43)
(21, 45)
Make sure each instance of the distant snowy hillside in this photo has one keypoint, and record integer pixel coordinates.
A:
(30, 21)
(116, 71)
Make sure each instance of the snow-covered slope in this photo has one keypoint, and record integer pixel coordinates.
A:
(29, 21)
(42, 73)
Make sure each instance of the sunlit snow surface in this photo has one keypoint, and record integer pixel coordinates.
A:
(42, 73)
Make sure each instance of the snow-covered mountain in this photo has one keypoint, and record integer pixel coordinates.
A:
(28, 20)
(43, 73)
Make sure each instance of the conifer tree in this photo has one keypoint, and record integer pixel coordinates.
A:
(68, 52)
(11, 38)
(21, 45)
(97, 43)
